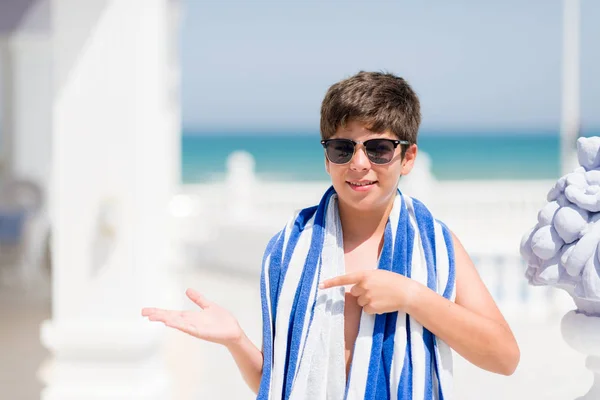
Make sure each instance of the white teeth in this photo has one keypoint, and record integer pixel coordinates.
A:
(361, 183)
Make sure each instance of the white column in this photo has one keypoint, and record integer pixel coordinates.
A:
(26, 106)
(570, 119)
(7, 102)
(31, 82)
(114, 167)
(28, 115)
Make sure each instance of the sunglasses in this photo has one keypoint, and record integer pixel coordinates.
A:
(379, 151)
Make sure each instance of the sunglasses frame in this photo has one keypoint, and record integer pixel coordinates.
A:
(395, 142)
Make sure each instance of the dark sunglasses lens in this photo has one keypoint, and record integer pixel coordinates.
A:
(380, 151)
(340, 151)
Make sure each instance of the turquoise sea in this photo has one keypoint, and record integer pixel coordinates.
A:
(299, 156)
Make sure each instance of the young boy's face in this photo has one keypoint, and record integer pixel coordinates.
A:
(362, 184)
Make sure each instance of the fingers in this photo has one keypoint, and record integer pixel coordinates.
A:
(147, 311)
(362, 301)
(171, 319)
(343, 280)
(157, 314)
(197, 298)
(357, 290)
(370, 310)
(182, 324)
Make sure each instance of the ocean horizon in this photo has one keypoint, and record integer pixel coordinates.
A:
(298, 156)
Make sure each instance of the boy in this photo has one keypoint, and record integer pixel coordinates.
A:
(364, 295)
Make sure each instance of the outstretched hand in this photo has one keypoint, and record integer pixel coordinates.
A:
(377, 291)
(212, 323)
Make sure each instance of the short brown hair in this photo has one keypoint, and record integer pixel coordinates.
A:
(381, 100)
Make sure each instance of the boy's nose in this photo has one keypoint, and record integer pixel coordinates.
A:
(360, 161)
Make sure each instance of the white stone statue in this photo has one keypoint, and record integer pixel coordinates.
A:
(562, 250)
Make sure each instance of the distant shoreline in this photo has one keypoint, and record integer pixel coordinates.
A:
(299, 157)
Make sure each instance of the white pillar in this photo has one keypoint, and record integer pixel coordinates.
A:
(7, 102)
(570, 119)
(26, 106)
(31, 82)
(114, 167)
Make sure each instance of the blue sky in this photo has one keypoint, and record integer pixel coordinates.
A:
(265, 65)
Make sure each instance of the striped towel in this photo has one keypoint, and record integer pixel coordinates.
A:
(303, 327)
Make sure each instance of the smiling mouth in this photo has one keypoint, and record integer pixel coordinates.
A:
(362, 183)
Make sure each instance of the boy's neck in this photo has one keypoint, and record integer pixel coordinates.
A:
(359, 226)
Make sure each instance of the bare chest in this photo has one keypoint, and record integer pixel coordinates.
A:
(360, 258)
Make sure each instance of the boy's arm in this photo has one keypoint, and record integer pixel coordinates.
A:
(249, 360)
(473, 326)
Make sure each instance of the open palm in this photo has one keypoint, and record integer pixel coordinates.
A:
(212, 323)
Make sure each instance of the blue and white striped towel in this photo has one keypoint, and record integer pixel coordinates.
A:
(395, 357)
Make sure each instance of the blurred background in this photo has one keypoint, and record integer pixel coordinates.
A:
(147, 146)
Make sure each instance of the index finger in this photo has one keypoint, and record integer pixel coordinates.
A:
(197, 298)
(342, 280)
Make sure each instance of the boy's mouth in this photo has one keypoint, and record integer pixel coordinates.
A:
(361, 185)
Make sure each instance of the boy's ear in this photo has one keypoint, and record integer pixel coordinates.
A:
(327, 166)
(409, 159)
